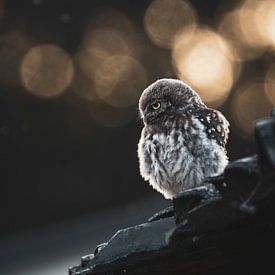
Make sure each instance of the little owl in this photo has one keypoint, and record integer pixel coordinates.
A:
(183, 141)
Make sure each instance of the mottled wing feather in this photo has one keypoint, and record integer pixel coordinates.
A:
(217, 127)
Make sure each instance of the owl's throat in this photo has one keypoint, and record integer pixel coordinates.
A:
(164, 124)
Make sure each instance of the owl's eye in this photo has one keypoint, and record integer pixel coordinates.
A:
(156, 105)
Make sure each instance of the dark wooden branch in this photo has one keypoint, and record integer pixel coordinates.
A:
(225, 227)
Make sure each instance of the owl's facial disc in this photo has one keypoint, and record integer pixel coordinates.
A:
(154, 109)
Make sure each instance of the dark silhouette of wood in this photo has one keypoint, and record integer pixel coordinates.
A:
(226, 227)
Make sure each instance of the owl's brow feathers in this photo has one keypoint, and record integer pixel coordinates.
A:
(167, 89)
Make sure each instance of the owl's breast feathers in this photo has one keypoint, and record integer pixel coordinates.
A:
(180, 157)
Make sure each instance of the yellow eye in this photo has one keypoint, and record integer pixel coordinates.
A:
(156, 106)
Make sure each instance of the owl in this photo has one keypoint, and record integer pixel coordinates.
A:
(183, 141)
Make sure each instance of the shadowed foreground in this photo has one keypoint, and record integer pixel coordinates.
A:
(208, 230)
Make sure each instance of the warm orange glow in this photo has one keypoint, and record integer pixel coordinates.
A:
(82, 86)
(241, 29)
(250, 27)
(249, 104)
(13, 47)
(250, 30)
(46, 71)
(112, 19)
(119, 81)
(164, 18)
(109, 35)
(98, 46)
(270, 84)
(266, 20)
(204, 60)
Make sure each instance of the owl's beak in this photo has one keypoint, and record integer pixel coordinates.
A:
(148, 117)
(145, 120)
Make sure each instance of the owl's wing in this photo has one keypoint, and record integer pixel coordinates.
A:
(216, 125)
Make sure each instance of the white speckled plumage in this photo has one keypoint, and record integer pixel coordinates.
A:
(181, 144)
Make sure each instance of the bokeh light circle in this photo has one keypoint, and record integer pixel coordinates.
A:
(13, 47)
(250, 27)
(206, 62)
(108, 35)
(269, 85)
(46, 71)
(164, 18)
(119, 81)
(98, 46)
(266, 21)
(249, 103)
(82, 86)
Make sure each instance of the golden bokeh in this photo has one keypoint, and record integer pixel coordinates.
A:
(122, 36)
(249, 103)
(82, 86)
(119, 81)
(269, 84)
(164, 18)
(98, 46)
(13, 47)
(46, 71)
(240, 28)
(266, 20)
(113, 19)
(250, 27)
(205, 61)
(109, 35)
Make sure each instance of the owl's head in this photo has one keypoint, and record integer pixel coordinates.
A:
(166, 98)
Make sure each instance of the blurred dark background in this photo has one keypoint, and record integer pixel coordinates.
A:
(71, 73)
